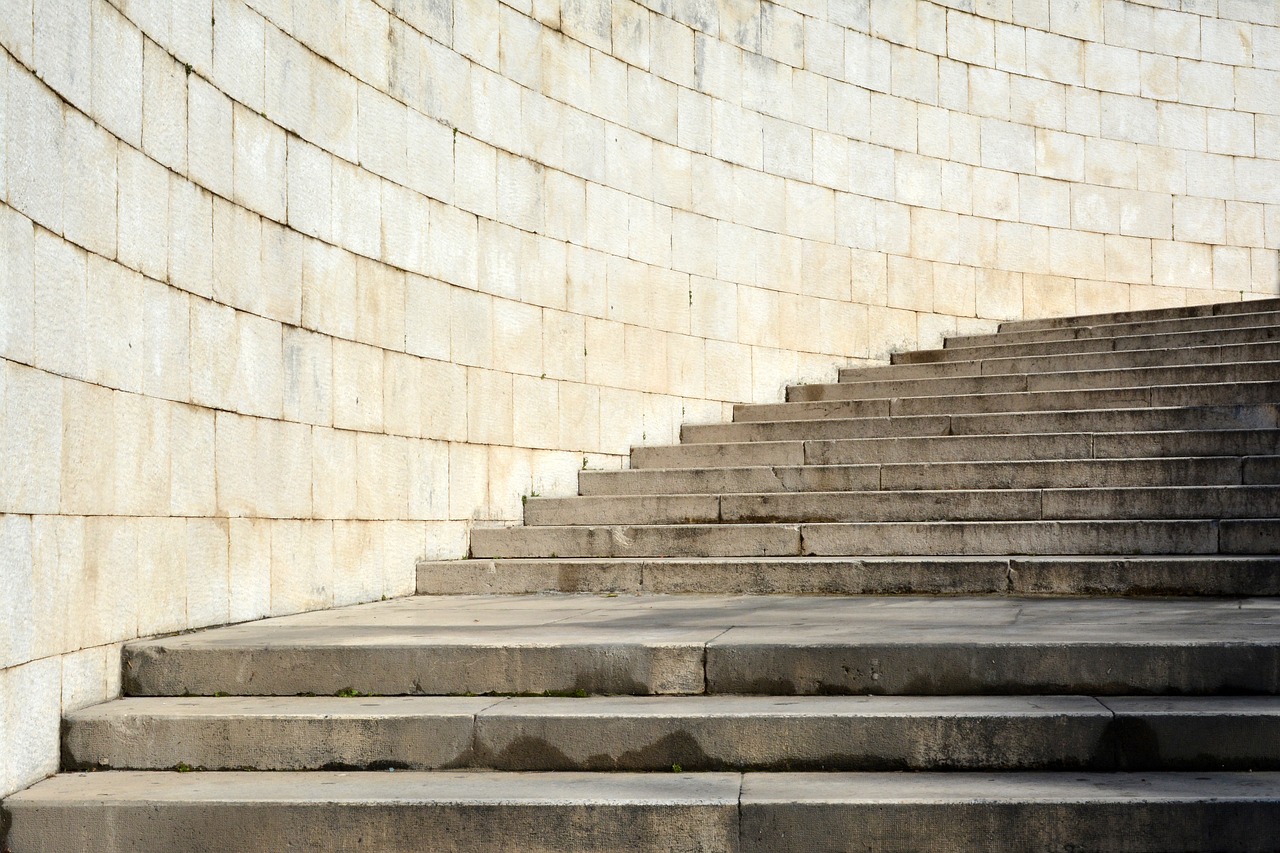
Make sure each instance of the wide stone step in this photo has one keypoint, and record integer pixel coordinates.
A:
(695, 733)
(444, 812)
(1257, 371)
(921, 538)
(148, 812)
(1051, 575)
(910, 505)
(1217, 394)
(962, 448)
(1110, 360)
(1146, 419)
(776, 645)
(1221, 337)
(1184, 325)
(1205, 310)
(1071, 473)
(996, 813)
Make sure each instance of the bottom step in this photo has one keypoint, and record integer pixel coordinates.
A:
(406, 811)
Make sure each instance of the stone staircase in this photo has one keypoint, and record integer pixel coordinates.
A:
(1015, 594)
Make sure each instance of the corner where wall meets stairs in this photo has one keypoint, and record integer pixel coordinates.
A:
(1021, 593)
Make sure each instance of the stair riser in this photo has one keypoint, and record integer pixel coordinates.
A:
(385, 827)
(985, 827)
(1062, 381)
(884, 539)
(931, 667)
(1115, 360)
(901, 576)
(1029, 401)
(1060, 363)
(1012, 475)
(1263, 416)
(974, 505)
(1209, 309)
(1183, 325)
(1226, 337)
(1041, 733)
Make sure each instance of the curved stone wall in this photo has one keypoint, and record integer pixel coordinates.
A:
(292, 292)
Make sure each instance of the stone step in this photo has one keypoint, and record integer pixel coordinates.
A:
(696, 733)
(1248, 371)
(963, 448)
(1131, 502)
(1216, 394)
(924, 538)
(1205, 310)
(1222, 337)
(1210, 323)
(996, 813)
(775, 645)
(1146, 419)
(148, 812)
(1053, 575)
(1041, 474)
(1111, 360)
(404, 812)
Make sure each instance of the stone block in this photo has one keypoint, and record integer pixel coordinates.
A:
(1162, 170)
(382, 134)
(468, 481)
(1146, 214)
(333, 473)
(1078, 254)
(429, 155)
(308, 376)
(17, 574)
(89, 186)
(301, 566)
(164, 108)
(190, 237)
(1128, 259)
(17, 286)
(1227, 42)
(328, 290)
(62, 617)
(357, 209)
(142, 462)
(999, 294)
(115, 349)
(61, 330)
(208, 571)
(258, 164)
(489, 412)
(510, 480)
(263, 467)
(143, 213)
(357, 386)
(357, 561)
(239, 52)
(116, 74)
(162, 572)
(1214, 176)
(382, 476)
(192, 472)
(63, 49)
(452, 246)
(30, 722)
(1199, 220)
(209, 137)
(1159, 77)
(1008, 147)
(1231, 268)
(35, 152)
(248, 568)
(536, 411)
(167, 342)
(1205, 84)
(470, 327)
(88, 449)
(1181, 264)
(380, 305)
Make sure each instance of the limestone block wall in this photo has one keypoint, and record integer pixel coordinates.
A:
(293, 292)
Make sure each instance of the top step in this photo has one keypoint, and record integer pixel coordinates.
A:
(1207, 325)
(1210, 310)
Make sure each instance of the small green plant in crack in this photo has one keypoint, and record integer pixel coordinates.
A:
(350, 693)
(183, 767)
(676, 768)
